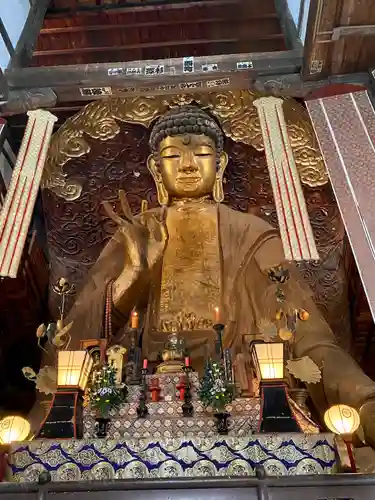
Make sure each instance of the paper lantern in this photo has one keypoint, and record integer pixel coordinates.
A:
(13, 428)
(268, 359)
(73, 369)
(342, 420)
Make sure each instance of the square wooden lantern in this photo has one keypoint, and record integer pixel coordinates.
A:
(65, 418)
(269, 361)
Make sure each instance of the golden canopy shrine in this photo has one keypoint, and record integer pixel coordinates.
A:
(190, 337)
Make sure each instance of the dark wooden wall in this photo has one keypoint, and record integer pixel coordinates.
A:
(23, 306)
(350, 51)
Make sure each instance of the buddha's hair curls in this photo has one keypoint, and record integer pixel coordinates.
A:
(183, 120)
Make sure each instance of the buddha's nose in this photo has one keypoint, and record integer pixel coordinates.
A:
(188, 163)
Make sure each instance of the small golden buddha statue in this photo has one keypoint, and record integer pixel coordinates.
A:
(178, 262)
(172, 355)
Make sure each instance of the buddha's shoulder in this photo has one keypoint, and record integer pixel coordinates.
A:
(243, 220)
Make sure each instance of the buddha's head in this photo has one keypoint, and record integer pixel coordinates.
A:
(187, 158)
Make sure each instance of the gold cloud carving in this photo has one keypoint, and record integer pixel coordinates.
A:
(234, 109)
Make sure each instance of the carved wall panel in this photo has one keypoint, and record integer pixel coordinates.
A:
(78, 230)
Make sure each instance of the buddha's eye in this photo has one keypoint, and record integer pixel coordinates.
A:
(203, 154)
(172, 157)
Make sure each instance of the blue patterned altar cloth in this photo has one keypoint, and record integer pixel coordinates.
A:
(74, 460)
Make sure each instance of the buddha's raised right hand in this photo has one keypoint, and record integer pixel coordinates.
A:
(144, 238)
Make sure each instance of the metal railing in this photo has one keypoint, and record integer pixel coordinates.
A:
(334, 487)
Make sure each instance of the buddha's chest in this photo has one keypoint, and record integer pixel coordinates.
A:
(191, 271)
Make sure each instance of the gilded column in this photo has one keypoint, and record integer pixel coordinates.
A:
(295, 228)
(16, 213)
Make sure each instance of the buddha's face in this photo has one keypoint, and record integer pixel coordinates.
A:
(187, 166)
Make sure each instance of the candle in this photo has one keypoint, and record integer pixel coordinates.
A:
(187, 361)
(135, 319)
(145, 361)
(217, 315)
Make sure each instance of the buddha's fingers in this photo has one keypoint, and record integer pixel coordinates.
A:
(112, 214)
(125, 207)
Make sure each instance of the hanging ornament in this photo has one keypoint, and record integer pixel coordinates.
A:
(279, 314)
(291, 321)
(303, 315)
(278, 274)
(285, 334)
(267, 329)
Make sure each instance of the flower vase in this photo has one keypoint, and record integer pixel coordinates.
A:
(101, 426)
(46, 406)
(300, 395)
(222, 422)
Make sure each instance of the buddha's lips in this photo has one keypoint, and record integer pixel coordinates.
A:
(188, 180)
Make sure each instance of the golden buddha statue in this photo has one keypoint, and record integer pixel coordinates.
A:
(178, 262)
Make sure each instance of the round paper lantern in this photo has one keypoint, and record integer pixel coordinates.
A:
(342, 420)
(13, 428)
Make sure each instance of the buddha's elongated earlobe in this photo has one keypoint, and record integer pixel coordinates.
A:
(162, 193)
(218, 191)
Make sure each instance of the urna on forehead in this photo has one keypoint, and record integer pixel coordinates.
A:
(185, 120)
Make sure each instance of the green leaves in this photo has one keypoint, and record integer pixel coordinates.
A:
(104, 395)
(215, 390)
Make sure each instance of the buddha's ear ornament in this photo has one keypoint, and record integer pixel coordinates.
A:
(218, 191)
(162, 193)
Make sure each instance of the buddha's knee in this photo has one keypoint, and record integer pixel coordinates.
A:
(367, 414)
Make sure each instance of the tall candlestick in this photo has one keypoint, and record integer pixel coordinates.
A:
(217, 315)
(135, 319)
(142, 410)
(187, 406)
(187, 361)
(219, 328)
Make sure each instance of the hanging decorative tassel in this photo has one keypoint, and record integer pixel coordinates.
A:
(20, 199)
(295, 228)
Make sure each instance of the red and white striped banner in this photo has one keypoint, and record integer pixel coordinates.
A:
(294, 223)
(16, 213)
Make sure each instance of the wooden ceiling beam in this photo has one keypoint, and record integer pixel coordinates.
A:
(144, 5)
(266, 80)
(174, 22)
(136, 73)
(156, 44)
(344, 31)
